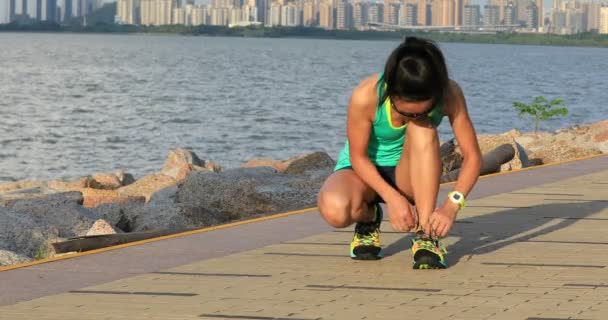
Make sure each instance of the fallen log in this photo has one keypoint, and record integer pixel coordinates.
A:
(490, 163)
(87, 243)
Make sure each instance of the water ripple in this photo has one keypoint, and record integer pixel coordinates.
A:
(77, 104)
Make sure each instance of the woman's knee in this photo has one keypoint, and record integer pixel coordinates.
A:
(335, 209)
(422, 136)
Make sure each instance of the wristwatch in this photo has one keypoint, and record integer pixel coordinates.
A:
(458, 198)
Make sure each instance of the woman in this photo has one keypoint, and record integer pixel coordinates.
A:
(392, 155)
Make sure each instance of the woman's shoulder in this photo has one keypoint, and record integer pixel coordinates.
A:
(453, 97)
(365, 93)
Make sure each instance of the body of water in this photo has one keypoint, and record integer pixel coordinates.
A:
(72, 105)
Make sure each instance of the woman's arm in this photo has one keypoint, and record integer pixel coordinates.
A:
(361, 113)
(466, 138)
(442, 219)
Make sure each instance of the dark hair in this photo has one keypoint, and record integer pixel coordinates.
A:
(415, 71)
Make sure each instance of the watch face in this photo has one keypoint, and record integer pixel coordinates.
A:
(456, 196)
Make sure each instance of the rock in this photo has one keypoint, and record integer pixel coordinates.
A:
(278, 165)
(101, 227)
(207, 199)
(10, 197)
(450, 159)
(488, 143)
(112, 180)
(180, 162)
(295, 165)
(20, 185)
(8, 258)
(95, 197)
(22, 234)
(562, 151)
(61, 185)
(161, 212)
(146, 186)
(120, 215)
(60, 212)
(312, 161)
(43, 195)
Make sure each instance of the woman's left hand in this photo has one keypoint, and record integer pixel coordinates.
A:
(442, 219)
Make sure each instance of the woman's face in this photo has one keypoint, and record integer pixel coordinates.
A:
(412, 109)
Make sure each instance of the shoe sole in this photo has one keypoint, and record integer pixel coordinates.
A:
(427, 262)
(366, 253)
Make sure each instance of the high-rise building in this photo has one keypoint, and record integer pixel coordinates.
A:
(408, 14)
(391, 13)
(532, 16)
(179, 16)
(66, 10)
(592, 12)
(472, 15)
(604, 20)
(442, 12)
(148, 12)
(326, 15)
(275, 14)
(12, 10)
(522, 10)
(309, 16)
(423, 13)
(360, 15)
(344, 15)
(165, 12)
(199, 16)
(510, 17)
(291, 15)
(491, 15)
(219, 16)
(502, 5)
(263, 8)
(127, 11)
(375, 13)
(459, 11)
(5, 15)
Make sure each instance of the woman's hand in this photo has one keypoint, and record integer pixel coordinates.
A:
(442, 220)
(401, 214)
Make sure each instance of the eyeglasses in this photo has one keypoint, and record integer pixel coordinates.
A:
(413, 116)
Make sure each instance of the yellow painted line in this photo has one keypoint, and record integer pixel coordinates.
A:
(176, 235)
(234, 224)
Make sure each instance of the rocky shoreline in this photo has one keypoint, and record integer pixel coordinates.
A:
(192, 193)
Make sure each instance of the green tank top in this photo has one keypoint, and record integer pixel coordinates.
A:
(385, 140)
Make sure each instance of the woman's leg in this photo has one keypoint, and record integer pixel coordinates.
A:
(345, 199)
(419, 169)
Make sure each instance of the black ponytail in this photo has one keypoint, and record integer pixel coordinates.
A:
(415, 71)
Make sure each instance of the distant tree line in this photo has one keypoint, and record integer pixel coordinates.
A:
(100, 23)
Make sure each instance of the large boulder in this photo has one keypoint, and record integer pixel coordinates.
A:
(24, 235)
(62, 211)
(102, 227)
(450, 159)
(180, 162)
(111, 180)
(8, 198)
(162, 212)
(489, 142)
(122, 215)
(146, 186)
(8, 258)
(567, 143)
(234, 194)
(295, 165)
(6, 187)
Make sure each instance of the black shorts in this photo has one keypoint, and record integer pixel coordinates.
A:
(387, 173)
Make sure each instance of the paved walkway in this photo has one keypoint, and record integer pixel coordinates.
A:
(530, 245)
